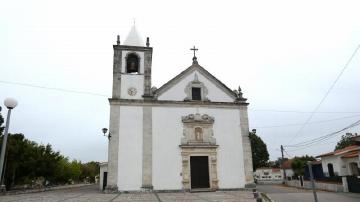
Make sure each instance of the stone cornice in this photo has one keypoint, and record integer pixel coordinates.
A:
(152, 102)
(199, 146)
(131, 48)
(197, 118)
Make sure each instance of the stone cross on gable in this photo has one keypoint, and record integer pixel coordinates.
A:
(194, 58)
(194, 49)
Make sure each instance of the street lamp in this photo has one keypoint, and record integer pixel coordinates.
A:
(10, 103)
(104, 130)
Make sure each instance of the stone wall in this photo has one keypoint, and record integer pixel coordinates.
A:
(319, 185)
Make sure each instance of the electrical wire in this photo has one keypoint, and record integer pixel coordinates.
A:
(103, 95)
(326, 95)
(301, 112)
(55, 89)
(323, 138)
(287, 154)
(322, 143)
(314, 122)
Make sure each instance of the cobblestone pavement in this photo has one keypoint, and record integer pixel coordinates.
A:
(281, 193)
(90, 193)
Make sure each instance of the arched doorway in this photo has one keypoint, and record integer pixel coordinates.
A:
(354, 169)
(331, 170)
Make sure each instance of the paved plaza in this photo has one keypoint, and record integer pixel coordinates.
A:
(90, 193)
(281, 193)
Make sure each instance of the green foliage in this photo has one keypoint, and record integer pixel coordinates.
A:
(276, 163)
(27, 162)
(75, 168)
(90, 170)
(298, 164)
(345, 141)
(260, 155)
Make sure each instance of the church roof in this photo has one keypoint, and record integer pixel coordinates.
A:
(133, 38)
(193, 67)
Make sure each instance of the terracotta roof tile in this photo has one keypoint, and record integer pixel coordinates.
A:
(287, 164)
(276, 170)
(350, 155)
(341, 151)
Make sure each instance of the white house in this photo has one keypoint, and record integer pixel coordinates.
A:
(268, 174)
(103, 176)
(342, 162)
(190, 133)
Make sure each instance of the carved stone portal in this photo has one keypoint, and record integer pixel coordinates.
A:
(198, 140)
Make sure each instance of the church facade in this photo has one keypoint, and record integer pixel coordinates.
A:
(191, 133)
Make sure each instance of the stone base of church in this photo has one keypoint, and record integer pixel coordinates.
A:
(250, 185)
(147, 188)
(111, 189)
(115, 190)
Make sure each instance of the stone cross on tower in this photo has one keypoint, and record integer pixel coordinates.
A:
(194, 58)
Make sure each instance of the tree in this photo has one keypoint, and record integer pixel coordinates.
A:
(90, 170)
(298, 164)
(276, 163)
(27, 162)
(260, 155)
(345, 141)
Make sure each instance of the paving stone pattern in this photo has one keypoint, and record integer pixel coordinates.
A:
(90, 193)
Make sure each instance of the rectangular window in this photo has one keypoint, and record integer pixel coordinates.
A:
(196, 93)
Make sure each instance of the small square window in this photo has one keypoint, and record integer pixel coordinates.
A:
(196, 93)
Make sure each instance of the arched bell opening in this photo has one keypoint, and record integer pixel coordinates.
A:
(132, 63)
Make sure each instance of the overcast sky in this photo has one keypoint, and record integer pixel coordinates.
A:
(284, 55)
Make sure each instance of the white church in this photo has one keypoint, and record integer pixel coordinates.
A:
(189, 134)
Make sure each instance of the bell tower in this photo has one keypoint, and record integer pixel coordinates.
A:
(132, 68)
(131, 80)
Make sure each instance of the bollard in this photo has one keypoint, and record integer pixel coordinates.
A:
(257, 196)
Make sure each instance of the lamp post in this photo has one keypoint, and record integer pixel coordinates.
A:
(10, 103)
(104, 130)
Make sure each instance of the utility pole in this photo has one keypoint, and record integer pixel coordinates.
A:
(282, 163)
(312, 181)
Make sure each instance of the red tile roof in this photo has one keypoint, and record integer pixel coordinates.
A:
(350, 155)
(341, 151)
(275, 170)
(356, 138)
(287, 164)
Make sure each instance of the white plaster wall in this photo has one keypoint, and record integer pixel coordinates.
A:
(167, 133)
(336, 161)
(177, 92)
(277, 175)
(103, 168)
(130, 148)
(227, 131)
(123, 59)
(289, 172)
(346, 164)
(132, 80)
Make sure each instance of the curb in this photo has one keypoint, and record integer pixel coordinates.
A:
(266, 197)
(17, 192)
